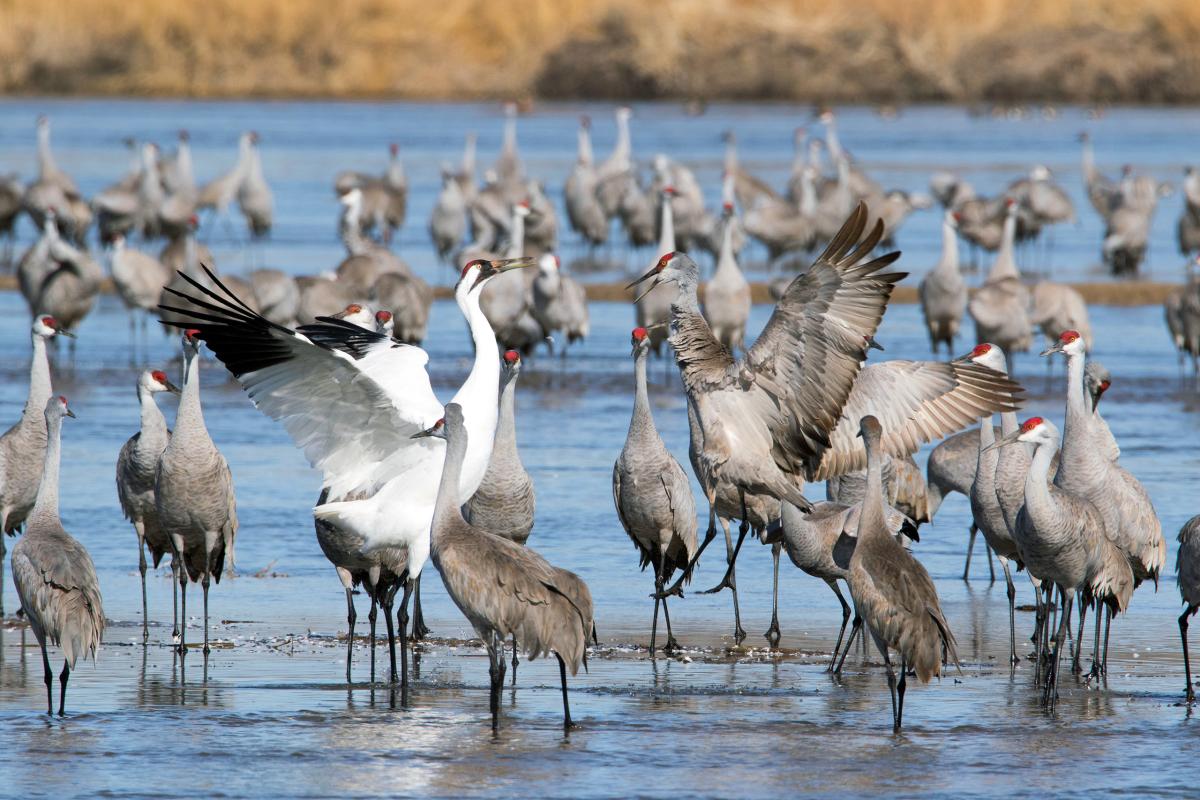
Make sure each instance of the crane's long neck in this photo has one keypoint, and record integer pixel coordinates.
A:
(985, 460)
(516, 243)
(1089, 160)
(396, 177)
(1005, 265)
(468, 157)
(799, 153)
(183, 165)
(46, 505)
(154, 424)
(190, 419)
(585, 146)
(874, 518)
(485, 372)
(731, 157)
(623, 148)
(808, 193)
(666, 233)
(948, 265)
(832, 141)
(1077, 407)
(39, 380)
(814, 154)
(728, 189)
(352, 236)
(506, 426)
(510, 133)
(726, 263)
(253, 168)
(191, 263)
(1037, 489)
(46, 163)
(448, 508)
(642, 418)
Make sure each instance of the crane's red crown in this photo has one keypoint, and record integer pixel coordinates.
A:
(478, 262)
(662, 262)
(1031, 423)
(50, 322)
(383, 316)
(639, 334)
(1104, 386)
(511, 356)
(159, 376)
(981, 349)
(192, 333)
(727, 206)
(1066, 337)
(353, 308)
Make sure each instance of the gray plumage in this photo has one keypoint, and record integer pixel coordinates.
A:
(1188, 229)
(193, 493)
(999, 307)
(727, 295)
(137, 469)
(504, 503)
(502, 588)
(1187, 566)
(943, 292)
(276, 294)
(1102, 192)
(1097, 380)
(448, 220)
(559, 302)
(1057, 307)
(652, 495)
(139, 277)
(54, 575)
(409, 299)
(584, 211)
(893, 594)
(653, 308)
(221, 191)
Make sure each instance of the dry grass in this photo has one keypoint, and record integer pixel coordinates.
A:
(870, 50)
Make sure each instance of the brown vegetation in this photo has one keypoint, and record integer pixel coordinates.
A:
(802, 50)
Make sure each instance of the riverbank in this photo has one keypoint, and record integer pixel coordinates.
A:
(810, 51)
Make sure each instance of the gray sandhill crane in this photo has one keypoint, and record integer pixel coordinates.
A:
(276, 295)
(325, 382)
(1061, 538)
(1181, 309)
(149, 193)
(1057, 307)
(950, 190)
(861, 185)
(179, 184)
(951, 468)
(254, 195)
(748, 189)
(510, 172)
(559, 303)
(653, 308)
(1187, 566)
(652, 495)
(1188, 229)
(505, 300)
(1098, 380)
(943, 292)
(193, 493)
(999, 307)
(783, 227)
(1102, 192)
(322, 296)
(448, 220)
(820, 544)
(54, 190)
(893, 594)
(182, 249)
(903, 487)
(23, 446)
(986, 512)
(366, 259)
(835, 205)
(691, 220)
(541, 227)
(727, 295)
(220, 193)
(765, 427)
(799, 163)
(1130, 520)
(10, 206)
(68, 291)
(54, 575)
(615, 175)
(116, 206)
(465, 176)
(409, 299)
(38, 261)
(584, 211)
(504, 502)
(1127, 228)
(502, 588)
(190, 263)
(137, 467)
(139, 278)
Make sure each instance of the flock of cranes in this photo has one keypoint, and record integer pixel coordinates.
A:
(406, 480)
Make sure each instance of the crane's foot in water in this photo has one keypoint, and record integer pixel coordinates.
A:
(773, 635)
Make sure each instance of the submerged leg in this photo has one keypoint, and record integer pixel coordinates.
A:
(672, 645)
(204, 582)
(1190, 696)
(1108, 617)
(372, 615)
(855, 630)
(730, 578)
(1059, 638)
(142, 570)
(987, 548)
(420, 631)
(970, 550)
(389, 595)
(1012, 613)
(175, 598)
(1094, 672)
(841, 631)
(183, 584)
(351, 618)
(515, 660)
(402, 624)
(900, 692)
(562, 673)
(62, 688)
(773, 635)
(891, 681)
(658, 585)
(47, 675)
(676, 588)
(495, 660)
(1076, 667)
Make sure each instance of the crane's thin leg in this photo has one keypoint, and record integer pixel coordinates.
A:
(389, 595)
(987, 548)
(495, 659)
(1076, 667)
(1059, 637)
(204, 582)
(970, 549)
(142, 569)
(730, 579)
(515, 660)
(1108, 617)
(855, 630)
(351, 618)
(183, 610)
(677, 587)
(62, 688)
(372, 615)
(773, 635)
(658, 585)
(841, 631)
(3, 550)
(891, 681)
(47, 676)
(562, 673)
(672, 645)
(900, 693)
(402, 624)
(420, 629)
(175, 597)
(1094, 672)
(1190, 695)
(1012, 614)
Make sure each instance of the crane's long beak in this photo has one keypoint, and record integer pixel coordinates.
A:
(436, 432)
(653, 273)
(492, 268)
(1003, 441)
(172, 388)
(68, 334)
(873, 345)
(964, 359)
(70, 413)
(1052, 349)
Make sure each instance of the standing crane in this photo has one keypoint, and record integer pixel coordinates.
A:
(999, 308)
(942, 291)
(54, 575)
(1188, 567)
(137, 468)
(727, 295)
(652, 494)
(502, 588)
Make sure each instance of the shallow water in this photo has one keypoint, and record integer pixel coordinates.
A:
(304, 144)
(276, 716)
